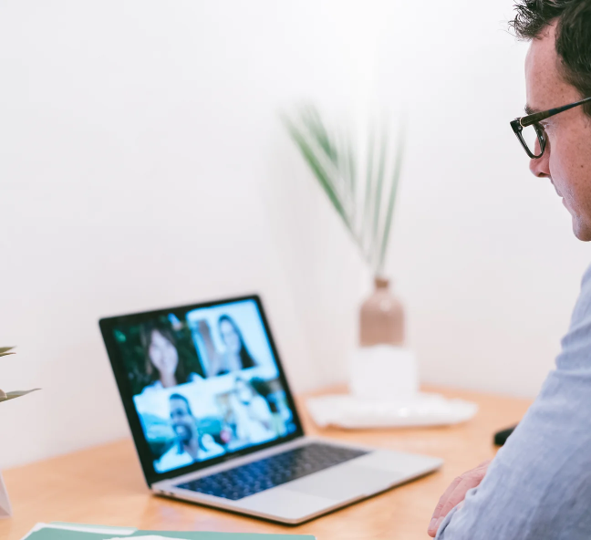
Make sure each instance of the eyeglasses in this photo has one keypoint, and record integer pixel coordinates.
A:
(531, 134)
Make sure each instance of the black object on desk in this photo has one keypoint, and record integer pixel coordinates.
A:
(502, 436)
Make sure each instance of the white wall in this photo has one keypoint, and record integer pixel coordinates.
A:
(142, 164)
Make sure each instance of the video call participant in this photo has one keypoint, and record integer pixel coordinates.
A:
(189, 446)
(235, 356)
(162, 359)
(252, 414)
(186, 448)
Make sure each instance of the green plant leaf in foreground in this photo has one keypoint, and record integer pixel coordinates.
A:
(5, 351)
(6, 396)
(13, 395)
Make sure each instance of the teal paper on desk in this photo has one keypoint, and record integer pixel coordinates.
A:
(62, 534)
(223, 536)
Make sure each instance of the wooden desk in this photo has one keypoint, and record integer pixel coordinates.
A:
(105, 485)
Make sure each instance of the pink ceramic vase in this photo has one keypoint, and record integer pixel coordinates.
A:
(381, 318)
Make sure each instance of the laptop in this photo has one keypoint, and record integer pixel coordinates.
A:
(214, 421)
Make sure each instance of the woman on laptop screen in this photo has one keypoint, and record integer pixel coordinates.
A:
(235, 356)
(164, 366)
(254, 422)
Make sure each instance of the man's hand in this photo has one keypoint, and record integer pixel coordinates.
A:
(455, 494)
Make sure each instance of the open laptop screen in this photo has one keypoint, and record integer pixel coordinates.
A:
(201, 382)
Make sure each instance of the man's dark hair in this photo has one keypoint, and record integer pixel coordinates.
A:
(182, 398)
(573, 36)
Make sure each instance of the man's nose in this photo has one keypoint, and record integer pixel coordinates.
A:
(541, 167)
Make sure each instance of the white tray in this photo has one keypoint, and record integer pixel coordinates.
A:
(350, 412)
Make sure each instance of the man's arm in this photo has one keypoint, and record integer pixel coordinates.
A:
(539, 484)
(455, 494)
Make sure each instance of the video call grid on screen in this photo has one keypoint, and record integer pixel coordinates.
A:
(204, 382)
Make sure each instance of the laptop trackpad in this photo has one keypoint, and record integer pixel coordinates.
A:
(345, 482)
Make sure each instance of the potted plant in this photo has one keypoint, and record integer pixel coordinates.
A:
(5, 508)
(362, 189)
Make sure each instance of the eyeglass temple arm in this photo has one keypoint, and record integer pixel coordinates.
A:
(538, 117)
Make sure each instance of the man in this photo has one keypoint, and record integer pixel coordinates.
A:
(186, 448)
(539, 484)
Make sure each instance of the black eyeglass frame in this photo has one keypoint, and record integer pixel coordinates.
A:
(534, 120)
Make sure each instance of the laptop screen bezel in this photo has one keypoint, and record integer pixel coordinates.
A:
(107, 326)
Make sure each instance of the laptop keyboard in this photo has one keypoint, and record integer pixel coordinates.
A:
(240, 482)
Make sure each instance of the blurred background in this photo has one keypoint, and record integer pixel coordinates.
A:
(143, 164)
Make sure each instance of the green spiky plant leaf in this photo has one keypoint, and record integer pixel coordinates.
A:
(362, 193)
(7, 396)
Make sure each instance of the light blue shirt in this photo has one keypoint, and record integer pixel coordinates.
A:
(539, 484)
